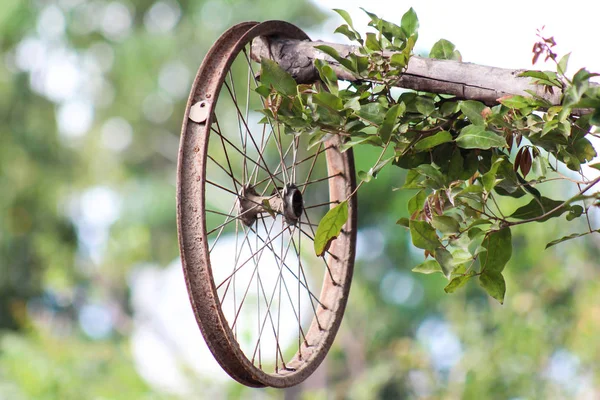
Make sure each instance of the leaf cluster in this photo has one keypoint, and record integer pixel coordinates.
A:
(461, 156)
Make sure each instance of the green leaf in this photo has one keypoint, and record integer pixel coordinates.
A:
(330, 227)
(510, 184)
(399, 60)
(473, 110)
(544, 77)
(444, 50)
(461, 256)
(403, 221)
(328, 76)
(333, 53)
(584, 150)
(359, 63)
(595, 119)
(344, 14)
(428, 267)
(388, 29)
(410, 23)
(413, 179)
(272, 74)
(455, 167)
(561, 68)
(263, 90)
(353, 103)
(328, 100)
(425, 105)
(539, 167)
(424, 236)
(489, 179)
(433, 174)
(445, 260)
(458, 282)
(499, 250)
(515, 101)
(538, 207)
(372, 43)
(449, 108)
(416, 202)
(371, 139)
(494, 284)
(385, 130)
(470, 165)
(348, 32)
(569, 237)
(377, 167)
(364, 176)
(432, 141)
(575, 212)
(372, 112)
(477, 137)
(445, 224)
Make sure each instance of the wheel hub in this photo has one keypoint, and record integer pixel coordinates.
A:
(287, 202)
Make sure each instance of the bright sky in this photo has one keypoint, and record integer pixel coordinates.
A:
(490, 33)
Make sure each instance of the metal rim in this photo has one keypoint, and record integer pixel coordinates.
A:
(192, 225)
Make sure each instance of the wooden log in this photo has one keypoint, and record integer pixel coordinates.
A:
(463, 80)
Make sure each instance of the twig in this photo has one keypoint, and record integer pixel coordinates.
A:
(585, 189)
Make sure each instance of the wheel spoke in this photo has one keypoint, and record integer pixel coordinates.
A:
(322, 204)
(249, 134)
(242, 239)
(245, 156)
(318, 180)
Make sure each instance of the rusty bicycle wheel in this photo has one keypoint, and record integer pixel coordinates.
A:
(249, 197)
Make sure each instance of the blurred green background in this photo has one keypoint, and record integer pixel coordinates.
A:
(92, 95)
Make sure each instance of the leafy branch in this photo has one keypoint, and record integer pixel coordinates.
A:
(461, 156)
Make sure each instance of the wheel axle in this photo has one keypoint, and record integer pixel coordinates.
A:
(287, 202)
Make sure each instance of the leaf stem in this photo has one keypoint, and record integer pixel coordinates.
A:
(582, 191)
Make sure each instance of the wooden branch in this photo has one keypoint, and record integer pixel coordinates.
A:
(463, 80)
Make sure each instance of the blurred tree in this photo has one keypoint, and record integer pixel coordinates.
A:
(91, 98)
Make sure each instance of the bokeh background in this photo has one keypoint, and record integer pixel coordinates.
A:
(92, 300)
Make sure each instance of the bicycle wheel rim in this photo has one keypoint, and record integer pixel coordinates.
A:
(317, 338)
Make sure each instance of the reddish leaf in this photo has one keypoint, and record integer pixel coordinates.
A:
(518, 159)
(526, 162)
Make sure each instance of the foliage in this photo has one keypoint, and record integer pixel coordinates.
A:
(460, 155)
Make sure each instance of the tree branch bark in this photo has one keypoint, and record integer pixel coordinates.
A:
(463, 80)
